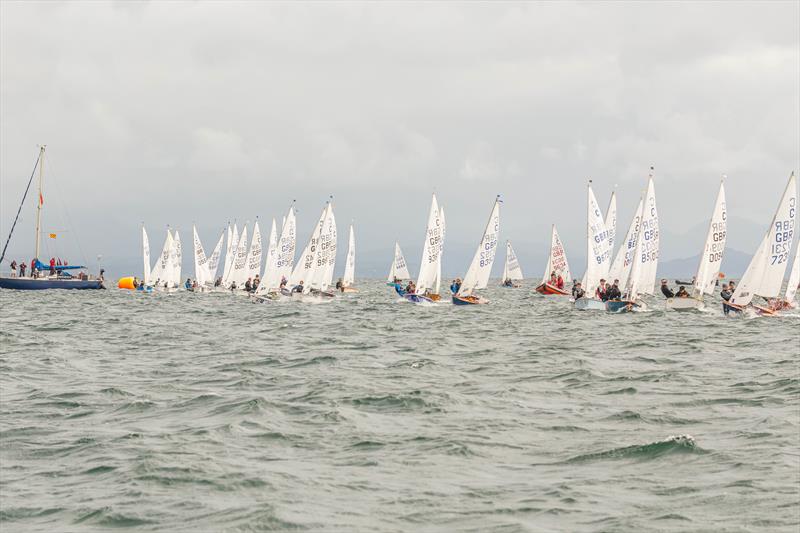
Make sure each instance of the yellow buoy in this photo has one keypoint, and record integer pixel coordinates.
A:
(126, 283)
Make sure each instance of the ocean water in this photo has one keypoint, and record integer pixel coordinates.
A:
(187, 412)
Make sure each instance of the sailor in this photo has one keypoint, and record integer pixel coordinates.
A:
(256, 282)
(411, 288)
(188, 284)
(665, 290)
(732, 286)
(135, 282)
(577, 290)
(613, 292)
(100, 276)
(601, 292)
(726, 294)
(508, 283)
(52, 266)
(682, 292)
(248, 285)
(560, 282)
(398, 287)
(14, 269)
(194, 285)
(553, 279)
(455, 286)
(218, 282)
(284, 281)
(233, 286)
(298, 287)
(22, 268)
(340, 285)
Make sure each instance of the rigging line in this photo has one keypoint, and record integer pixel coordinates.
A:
(64, 212)
(33, 173)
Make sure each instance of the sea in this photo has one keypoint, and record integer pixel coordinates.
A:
(207, 412)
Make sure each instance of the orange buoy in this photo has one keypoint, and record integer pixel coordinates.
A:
(126, 283)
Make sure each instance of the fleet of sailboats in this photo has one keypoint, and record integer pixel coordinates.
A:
(632, 269)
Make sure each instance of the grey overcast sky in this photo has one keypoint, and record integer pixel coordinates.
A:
(174, 112)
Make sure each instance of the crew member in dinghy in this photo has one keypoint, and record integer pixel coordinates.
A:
(601, 292)
(256, 282)
(398, 287)
(298, 287)
(577, 291)
(411, 288)
(682, 292)
(665, 290)
(22, 268)
(218, 282)
(508, 283)
(455, 286)
(556, 280)
(284, 281)
(248, 285)
(726, 294)
(340, 285)
(188, 284)
(613, 292)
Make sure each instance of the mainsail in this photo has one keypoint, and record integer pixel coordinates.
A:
(477, 276)
(162, 272)
(431, 249)
(611, 221)
(177, 259)
(304, 269)
(764, 274)
(284, 260)
(350, 263)
(238, 273)
(621, 267)
(557, 260)
(598, 250)
(254, 254)
(146, 256)
(326, 259)
(649, 239)
(511, 269)
(213, 261)
(711, 259)
(230, 252)
(201, 275)
(399, 268)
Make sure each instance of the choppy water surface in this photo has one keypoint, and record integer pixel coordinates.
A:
(187, 412)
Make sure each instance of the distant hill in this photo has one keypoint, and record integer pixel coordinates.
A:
(734, 264)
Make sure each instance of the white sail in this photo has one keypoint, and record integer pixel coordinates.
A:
(284, 260)
(350, 263)
(611, 221)
(254, 254)
(238, 274)
(511, 269)
(477, 276)
(146, 256)
(304, 269)
(711, 258)
(649, 237)
(177, 260)
(399, 268)
(621, 267)
(213, 261)
(162, 270)
(431, 249)
(598, 251)
(201, 275)
(794, 279)
(437, 284)
(326, 258)
(230, 253)
(557, 260)
(764, 274)
(270, 262)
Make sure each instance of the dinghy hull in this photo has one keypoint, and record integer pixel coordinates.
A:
(684, 304)
(417, 298)
(468, 300)
(621, 306)
(548, 290)
(589, 304)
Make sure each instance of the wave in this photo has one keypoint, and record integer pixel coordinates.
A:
(674, 444)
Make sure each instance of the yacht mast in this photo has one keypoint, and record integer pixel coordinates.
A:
(39, 202)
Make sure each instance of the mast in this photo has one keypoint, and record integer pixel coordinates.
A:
(39, 203)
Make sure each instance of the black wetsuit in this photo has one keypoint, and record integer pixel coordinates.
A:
(726, 295)
(667, 292)
(613, 293)
(577, 292)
